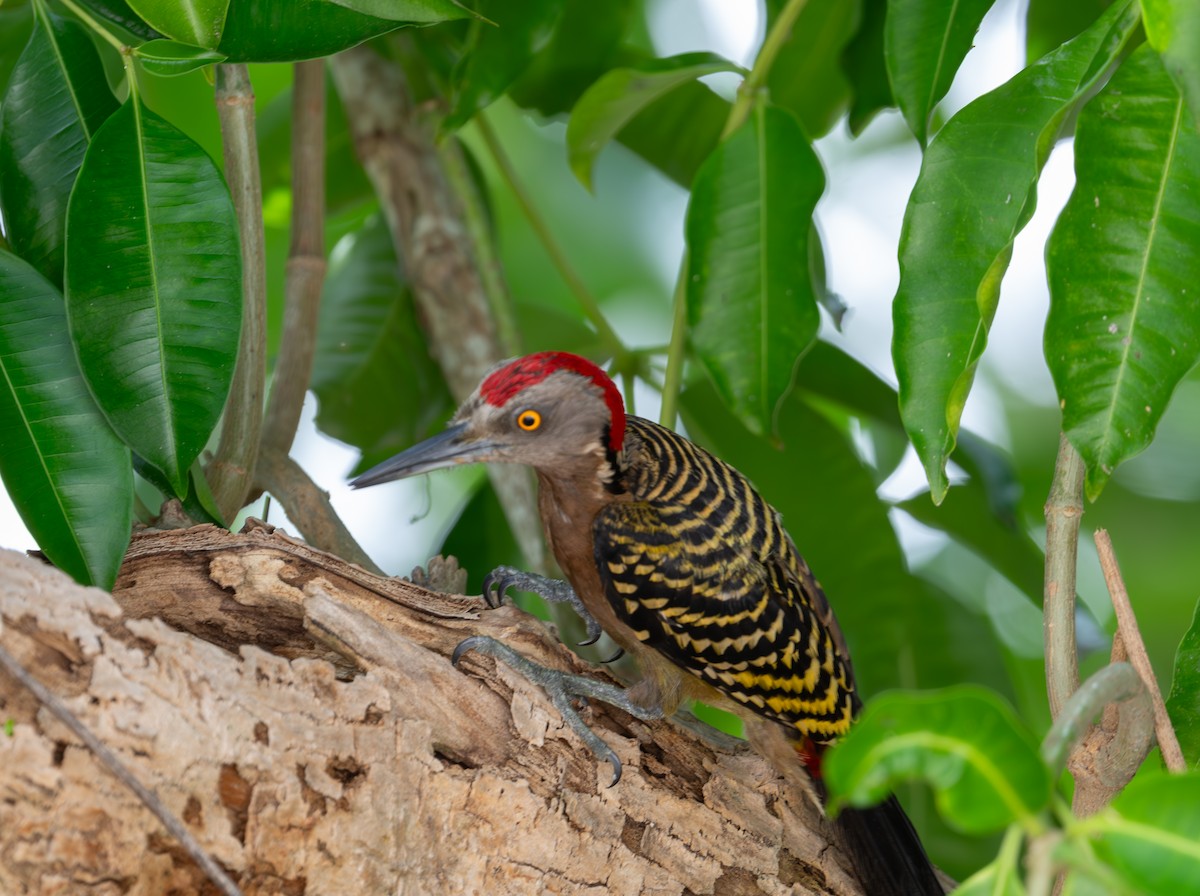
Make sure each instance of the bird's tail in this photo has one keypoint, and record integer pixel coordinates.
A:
(888, 857)
(880, 841)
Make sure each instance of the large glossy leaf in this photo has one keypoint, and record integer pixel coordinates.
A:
(1049, 23)
(864, 67)
(678, 132)
(290, 30)
(1183, 704)
(170, 57)
(118, 13)
(974, 193)
(195, 22)
(1173, 29)
(750, 301)
(886, 613)
(16, 25)
(56, 100)
(811, 55)
(1123, 265)
(409, 11)
(154, 286)
(1151, 834)
(619, 95)
(377, 387)
(980, 759)
(586, 44)
(925, 41)
(500, 48)
(66, 471)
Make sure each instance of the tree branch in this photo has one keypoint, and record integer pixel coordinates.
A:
(305, 717)
(231, 470)
(398, 153)
(309, 508)
(1127, 629)
(305, 272)
(1064, 508)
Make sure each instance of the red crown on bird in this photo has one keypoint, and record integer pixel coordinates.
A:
(502, 384)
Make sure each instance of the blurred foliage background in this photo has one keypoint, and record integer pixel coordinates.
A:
(929, 594)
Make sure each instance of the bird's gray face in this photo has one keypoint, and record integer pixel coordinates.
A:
(558, 424)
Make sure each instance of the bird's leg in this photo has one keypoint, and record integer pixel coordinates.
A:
(562, 688)
(554, 591)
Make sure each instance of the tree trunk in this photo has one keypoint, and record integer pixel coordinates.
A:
(302, 717)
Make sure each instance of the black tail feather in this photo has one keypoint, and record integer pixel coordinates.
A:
(887, 854)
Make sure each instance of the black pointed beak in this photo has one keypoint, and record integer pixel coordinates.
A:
(446, 449)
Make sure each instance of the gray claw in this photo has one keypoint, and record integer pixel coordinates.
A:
(563, 688)
(497, 582)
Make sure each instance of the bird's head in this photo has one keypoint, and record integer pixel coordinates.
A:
(553, 411)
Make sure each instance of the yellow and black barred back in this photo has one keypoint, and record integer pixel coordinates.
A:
(700, 567)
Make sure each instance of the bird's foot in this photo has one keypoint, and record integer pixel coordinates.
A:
(563, 688)
(497, 582)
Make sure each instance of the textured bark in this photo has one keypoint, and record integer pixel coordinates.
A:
(303, 718)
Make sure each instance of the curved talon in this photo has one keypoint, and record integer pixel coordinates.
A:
(616, 656)
(590, 640)
(616, 764)
(471, 643)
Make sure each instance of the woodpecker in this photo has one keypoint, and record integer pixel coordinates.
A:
(675, 555)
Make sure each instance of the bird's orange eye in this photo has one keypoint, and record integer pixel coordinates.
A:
(529, 420)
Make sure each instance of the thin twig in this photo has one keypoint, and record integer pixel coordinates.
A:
(305, 271)
(673, 379)
(747, 94)
(1064, 507)
(231, 470)
(119, 771)
(1127, 625)
(308, 507)
(591, 307)
(483, 243)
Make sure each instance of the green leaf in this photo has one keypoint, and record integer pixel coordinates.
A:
(996, 879)
(617, 97)
(677, 132)
(376, 386)
(500, 47)
(409, 11)
(924, 43)
(585, 45)
(1049, 23)
(16, 25)
(1183, 704)
(1173, 29)
(291, 30)
(1124, 322)
(154, 286)
(750, 301)
(56, 100)
(967, 743)
(812, 55)
(170, 57)
(865, 68)
(196, 22)
(118, 14)
(975, 192)
(1151, 833)
(67, 473)
(981, 514)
